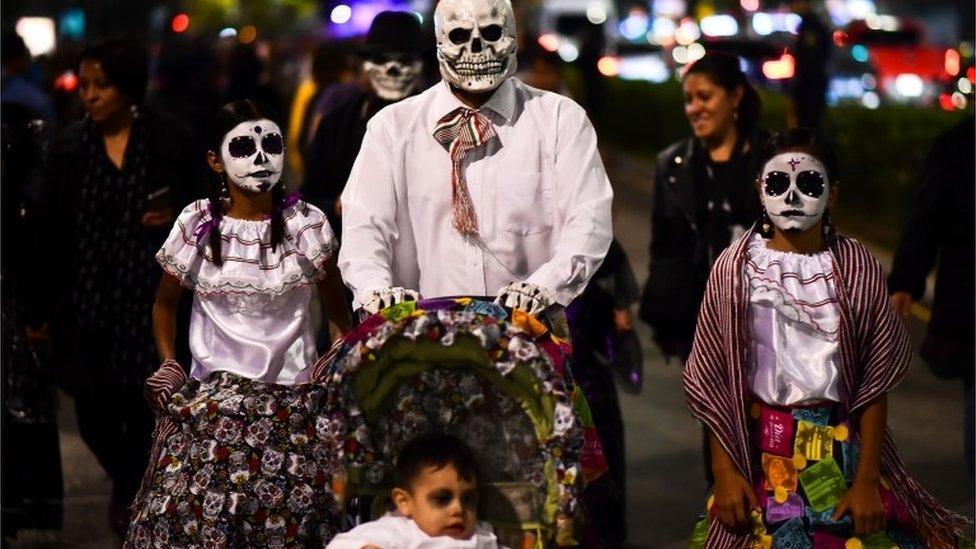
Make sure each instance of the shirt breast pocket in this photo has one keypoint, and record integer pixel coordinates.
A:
(523, 205)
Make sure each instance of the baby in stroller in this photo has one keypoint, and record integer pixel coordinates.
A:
(436, 499)
(499, 380)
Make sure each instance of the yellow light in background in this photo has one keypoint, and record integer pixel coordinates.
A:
(608, 66)
(247, 34)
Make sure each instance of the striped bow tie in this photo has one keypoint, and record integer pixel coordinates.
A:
(460, 132)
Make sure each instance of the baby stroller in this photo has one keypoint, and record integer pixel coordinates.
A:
(499, 381)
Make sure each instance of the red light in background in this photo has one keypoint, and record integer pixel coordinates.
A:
(840, 38)
(971, 74)
(180, 23)
(952, 62)
(945, 101)
(66, 81)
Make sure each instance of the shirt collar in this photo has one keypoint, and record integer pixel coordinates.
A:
(502, 102)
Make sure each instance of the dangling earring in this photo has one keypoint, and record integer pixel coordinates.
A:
(224, 191)
(766, 225)
(827, 226)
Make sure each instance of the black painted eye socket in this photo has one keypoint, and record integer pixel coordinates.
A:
(242, 146)
(459, 36)
(811, 183)
(491, 32)
(776, 183)
(272, 143)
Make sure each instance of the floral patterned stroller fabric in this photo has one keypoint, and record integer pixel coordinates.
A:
(499, 382)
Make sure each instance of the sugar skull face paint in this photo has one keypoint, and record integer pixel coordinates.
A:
(253, 155)
(794, 190)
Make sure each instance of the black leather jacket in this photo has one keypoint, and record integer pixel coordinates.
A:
(681, 252)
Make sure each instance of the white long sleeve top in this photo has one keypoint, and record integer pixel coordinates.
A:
(540, 191)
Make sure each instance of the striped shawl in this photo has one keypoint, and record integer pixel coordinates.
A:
(875, 353)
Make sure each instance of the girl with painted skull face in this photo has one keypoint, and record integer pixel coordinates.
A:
(252, 259)
(820, 348)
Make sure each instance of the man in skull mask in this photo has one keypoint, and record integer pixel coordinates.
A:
(480, 185)
(392, 61)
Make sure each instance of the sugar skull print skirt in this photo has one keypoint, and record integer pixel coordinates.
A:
(238, 463)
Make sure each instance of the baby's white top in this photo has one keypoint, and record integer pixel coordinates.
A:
(395, 531)
(250, 315)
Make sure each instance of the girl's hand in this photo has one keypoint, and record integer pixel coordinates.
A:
(734, 498)
(863, 502)
(160, 386)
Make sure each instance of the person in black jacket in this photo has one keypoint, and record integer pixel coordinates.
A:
(704, 196)
(939, 233)
(113, 184)
(392, 61)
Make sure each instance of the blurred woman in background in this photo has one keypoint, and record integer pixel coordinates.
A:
(704, 197)
(113, 184)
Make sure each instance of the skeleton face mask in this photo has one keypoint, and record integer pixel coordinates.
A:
(794, 190)
(475, 42)
(253, 155)
(393, 76)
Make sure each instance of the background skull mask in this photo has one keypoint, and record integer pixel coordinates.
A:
(253, 155)
(392, 75)
(475, 43)
(794, 190)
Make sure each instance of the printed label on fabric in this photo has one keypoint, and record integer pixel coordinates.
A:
(817, 416)
(822, 521)
(399, 311)
(823, 540)
(486, 308)
(775, 432)
(778, 512)
(791, 535)
(850, 452)
(823, 484)
(780, 472)
(814, 441)
(699, 535)
(877, 541)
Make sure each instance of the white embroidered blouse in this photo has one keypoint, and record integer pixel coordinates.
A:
(250, 315)
(794, 320)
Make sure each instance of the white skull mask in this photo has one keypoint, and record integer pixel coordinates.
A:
(794, 190)
(393, 76)
(253, 155)
(475, 42)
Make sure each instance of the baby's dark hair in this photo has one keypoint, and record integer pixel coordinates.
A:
(228, 118)
(436, 450)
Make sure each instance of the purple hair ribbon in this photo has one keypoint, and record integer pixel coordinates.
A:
(204, 229)
(288, 202)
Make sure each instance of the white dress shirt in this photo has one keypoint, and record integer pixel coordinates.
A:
(540, 193)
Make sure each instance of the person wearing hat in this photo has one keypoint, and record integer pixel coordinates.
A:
(392, 61)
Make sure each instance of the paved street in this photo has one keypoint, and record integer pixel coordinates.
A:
(665, 482)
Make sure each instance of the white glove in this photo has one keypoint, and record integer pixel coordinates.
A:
(377, 300)
(526, 297)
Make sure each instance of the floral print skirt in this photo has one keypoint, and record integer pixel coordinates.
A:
(241, 464)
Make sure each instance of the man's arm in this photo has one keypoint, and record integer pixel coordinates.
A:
(369, 207)
(583, 198)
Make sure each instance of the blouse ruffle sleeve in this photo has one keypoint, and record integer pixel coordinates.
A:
(250, 265)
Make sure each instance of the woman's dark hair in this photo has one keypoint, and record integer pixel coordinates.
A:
(436, 450)
(724, 71)
(804, 140)
(228, 118)
(125, 63)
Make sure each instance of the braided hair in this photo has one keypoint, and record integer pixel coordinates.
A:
(227, 119)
